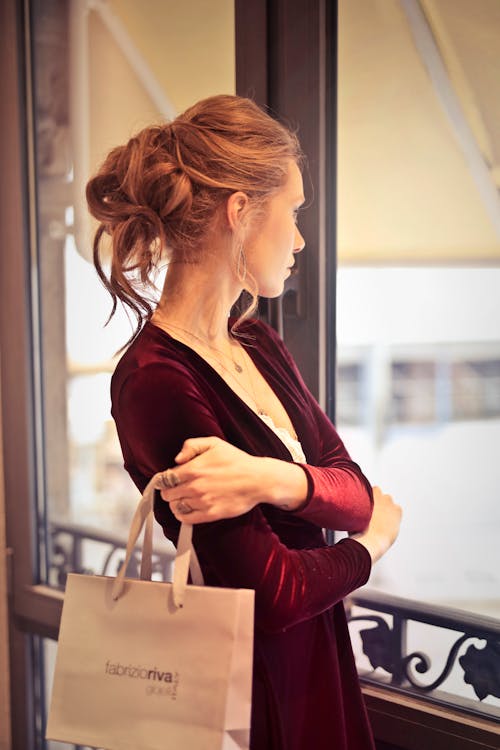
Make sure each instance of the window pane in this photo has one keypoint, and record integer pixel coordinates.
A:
(418, 288)
(99, 77)
(476, 389)
(413, 397)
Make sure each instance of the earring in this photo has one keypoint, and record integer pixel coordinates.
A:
(241, 266)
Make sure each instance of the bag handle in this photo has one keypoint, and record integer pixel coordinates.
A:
(186, 559)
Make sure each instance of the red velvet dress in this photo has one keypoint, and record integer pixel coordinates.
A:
(306, 693)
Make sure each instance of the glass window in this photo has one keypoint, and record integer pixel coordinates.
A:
(417, 294)
(100, 73)
(413, 392)
(350, 392)
(476, 389)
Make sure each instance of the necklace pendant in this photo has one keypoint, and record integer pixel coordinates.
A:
(238, 367)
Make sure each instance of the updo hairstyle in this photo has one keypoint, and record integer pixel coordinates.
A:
(158, 196)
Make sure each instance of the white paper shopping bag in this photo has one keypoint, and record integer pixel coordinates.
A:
(143, 665)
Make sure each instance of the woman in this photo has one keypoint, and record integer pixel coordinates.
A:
(254, 462)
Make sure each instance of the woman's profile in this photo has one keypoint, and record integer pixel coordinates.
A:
(217, 403)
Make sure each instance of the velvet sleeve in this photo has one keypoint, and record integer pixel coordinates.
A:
(155, 412)
(339, 495)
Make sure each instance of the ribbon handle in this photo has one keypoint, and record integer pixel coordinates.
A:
(186, 559)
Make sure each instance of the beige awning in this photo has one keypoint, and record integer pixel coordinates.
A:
(419, 131)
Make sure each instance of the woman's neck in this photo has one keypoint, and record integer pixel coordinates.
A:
(198, 298)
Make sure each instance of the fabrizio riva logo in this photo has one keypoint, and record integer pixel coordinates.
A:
(158, 682)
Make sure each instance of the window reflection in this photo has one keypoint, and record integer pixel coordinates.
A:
(101, 71)
(419, 273)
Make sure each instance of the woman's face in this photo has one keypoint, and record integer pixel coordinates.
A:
(270, 249)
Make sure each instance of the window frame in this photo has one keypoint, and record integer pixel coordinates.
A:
(274, 32)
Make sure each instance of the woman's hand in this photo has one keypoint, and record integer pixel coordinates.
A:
(215, 480)
(383, 529)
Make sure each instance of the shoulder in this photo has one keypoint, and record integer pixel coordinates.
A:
(152, 362)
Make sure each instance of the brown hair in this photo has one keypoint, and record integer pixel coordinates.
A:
(160, 193)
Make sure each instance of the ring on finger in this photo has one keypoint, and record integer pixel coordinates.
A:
(174, 479)
(165, 480)
(183, 508)
(170, 479)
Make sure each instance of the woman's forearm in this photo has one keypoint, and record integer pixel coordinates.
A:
(331, 497)
(217, 480)
(284, 484)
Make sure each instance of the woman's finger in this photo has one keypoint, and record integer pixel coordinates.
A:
(192, 516)
(193, 447)
(182, 489)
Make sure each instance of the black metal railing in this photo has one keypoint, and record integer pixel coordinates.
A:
(471, 657)
(68, 554)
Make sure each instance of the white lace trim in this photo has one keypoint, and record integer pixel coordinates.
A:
(289, 441)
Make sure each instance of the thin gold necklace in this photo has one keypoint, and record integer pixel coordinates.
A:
(236, 365)
(258, 409)
(239, 369)
(206, 345)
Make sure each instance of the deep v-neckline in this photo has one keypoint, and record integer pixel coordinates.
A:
(258, 362)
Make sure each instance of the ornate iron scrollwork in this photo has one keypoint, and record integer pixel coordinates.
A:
(482, 669)
(385, 648)
(377, 643)
(423, 665)
(67, 555)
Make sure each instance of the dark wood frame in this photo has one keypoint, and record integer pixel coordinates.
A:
(15, 345)
(34, 609)
(286, 61)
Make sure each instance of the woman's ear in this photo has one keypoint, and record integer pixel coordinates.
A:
(236, 210)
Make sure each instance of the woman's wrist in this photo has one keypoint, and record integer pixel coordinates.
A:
(373, 546)
(383, 528)
(376, 544)
(284, 483)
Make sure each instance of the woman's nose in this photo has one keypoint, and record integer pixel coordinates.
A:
(299, 241)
